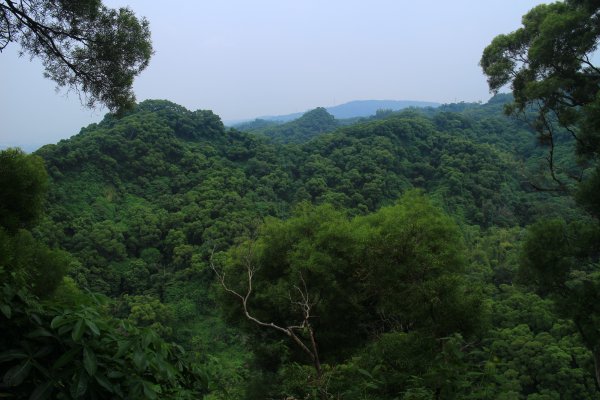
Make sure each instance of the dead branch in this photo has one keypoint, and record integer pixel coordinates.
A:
(304, 304)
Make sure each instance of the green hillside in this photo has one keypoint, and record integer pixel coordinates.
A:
(169, 180)
(154, 207)
(309, 125)
(376, 250)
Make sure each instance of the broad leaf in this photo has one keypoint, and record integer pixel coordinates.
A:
(89, 361)
(6, 310)
(43, 391)
(79, 389)
(139, 360)
(104, 382)
(56, 321)
(17, 374)
(93, 327)
(78, 330)
(150, 390)
(12, 354)
(39, 332)
(66, 358)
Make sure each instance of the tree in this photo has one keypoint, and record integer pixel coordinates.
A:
(332, 285)
(562, 261)
(549, 64)
(65, 344)
(282, 292)
(24, 181)
(83, 45)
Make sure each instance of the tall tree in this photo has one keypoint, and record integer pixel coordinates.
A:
(331, 285)
(550, 66)
(83, 45)
(549, 63)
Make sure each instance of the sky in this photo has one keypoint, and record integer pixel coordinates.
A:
(245, 59)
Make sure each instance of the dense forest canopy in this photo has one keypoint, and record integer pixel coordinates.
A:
(147, 203)
(435, 253)
(549, 63)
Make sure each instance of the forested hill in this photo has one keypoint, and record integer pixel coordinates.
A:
(309, 125)
(143, 203)
(168, 179)
(429, 253)
(174, 183)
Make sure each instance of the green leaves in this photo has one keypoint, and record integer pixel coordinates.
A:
(89, 361)
(78, 330)
(395, 271)
(89, 355)
(66, 358)
(43, 391)
(104, 382)
(93, 327)
(57, 321)
(6, 310)
(151, 391)
(550, 64)
(93, 49)
(12, 354)
(24, 182)
(17, 374)
(140, 360)
(81, 384)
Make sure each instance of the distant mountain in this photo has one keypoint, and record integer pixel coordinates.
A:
(365, 108)
(358, 108)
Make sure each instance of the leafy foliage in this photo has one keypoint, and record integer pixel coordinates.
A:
(24, 182)
(83, 45)
(407, 255)
(550, 66)
(66, 344)
(394, 271)
(141, 202)
(78, 353)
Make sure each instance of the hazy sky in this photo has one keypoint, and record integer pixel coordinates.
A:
(244, 59)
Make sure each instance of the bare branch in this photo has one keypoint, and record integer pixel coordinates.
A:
(304, 304)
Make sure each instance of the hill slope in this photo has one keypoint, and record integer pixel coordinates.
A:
(192, 185)
(144, 202)
(309, 125)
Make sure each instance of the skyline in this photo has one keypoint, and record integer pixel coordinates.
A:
(246, 60)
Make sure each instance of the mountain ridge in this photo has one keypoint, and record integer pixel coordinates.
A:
(351, 109)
